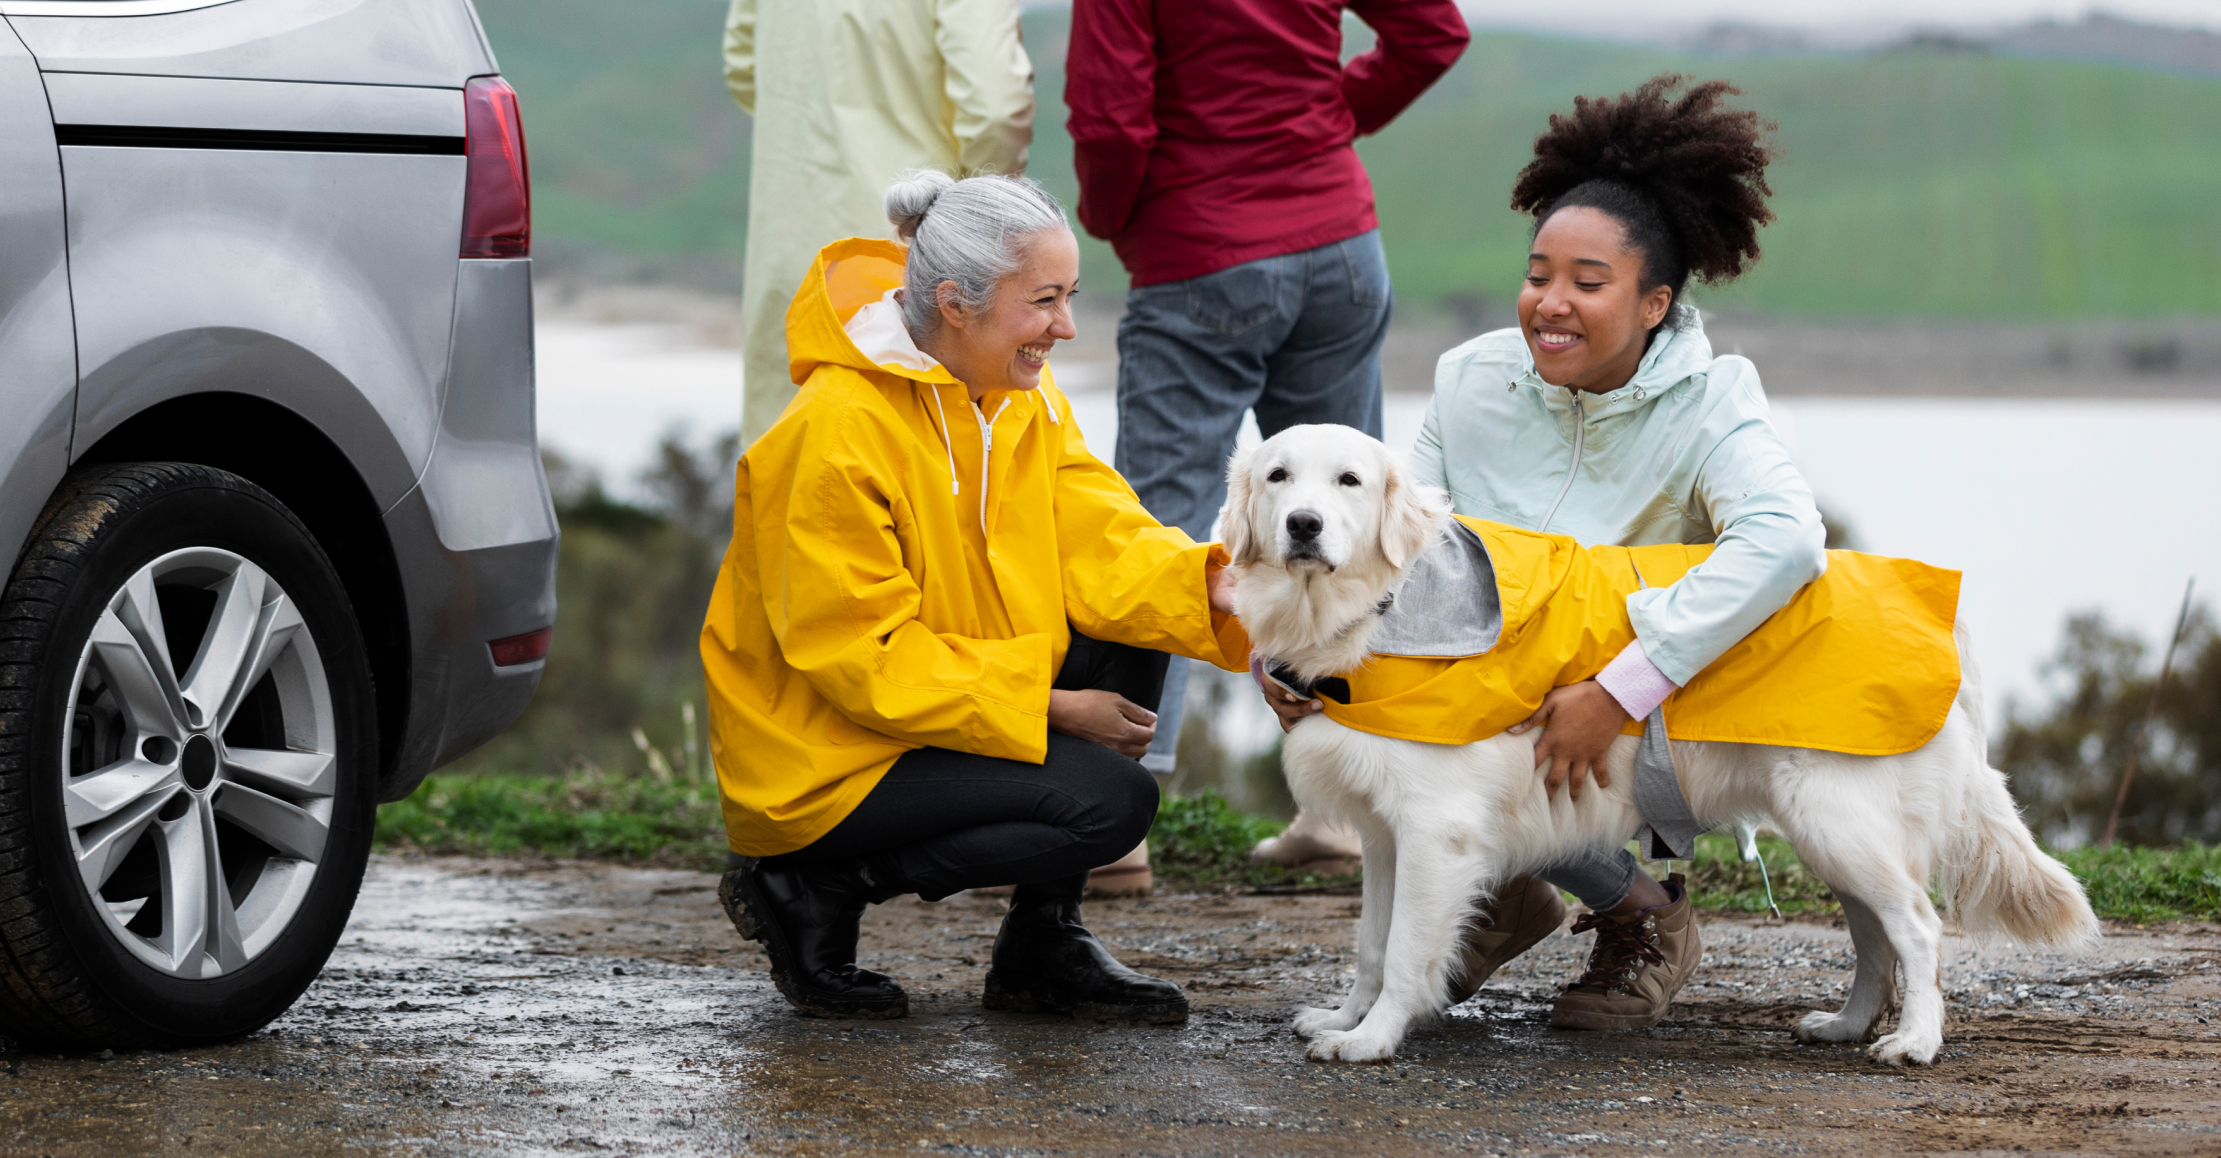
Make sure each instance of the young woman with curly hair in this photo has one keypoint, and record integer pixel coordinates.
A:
(1605, 416)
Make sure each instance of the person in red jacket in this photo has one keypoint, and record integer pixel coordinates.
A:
(1213, 144)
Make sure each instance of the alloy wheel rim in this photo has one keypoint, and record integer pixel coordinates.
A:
(199, 802)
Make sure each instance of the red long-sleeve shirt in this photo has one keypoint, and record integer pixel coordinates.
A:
(1213, 132)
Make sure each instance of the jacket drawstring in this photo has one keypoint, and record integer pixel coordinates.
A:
(947, 444)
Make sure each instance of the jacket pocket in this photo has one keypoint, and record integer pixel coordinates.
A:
(1235, 299)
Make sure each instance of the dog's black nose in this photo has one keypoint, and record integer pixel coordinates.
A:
(1304, 526)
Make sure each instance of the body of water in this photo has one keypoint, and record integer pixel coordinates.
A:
(2049, 506)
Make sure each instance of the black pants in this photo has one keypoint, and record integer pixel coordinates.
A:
(953, 821)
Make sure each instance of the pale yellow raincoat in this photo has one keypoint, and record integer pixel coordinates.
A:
(1861, 660)
(845, 95)
(875, 600)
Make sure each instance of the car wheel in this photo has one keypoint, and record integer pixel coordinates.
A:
(187, 760)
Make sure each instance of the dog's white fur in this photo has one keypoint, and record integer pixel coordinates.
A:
(1444, 825)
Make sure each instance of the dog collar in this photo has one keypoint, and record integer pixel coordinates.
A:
(1332, 687)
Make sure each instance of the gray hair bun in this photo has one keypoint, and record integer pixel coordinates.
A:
(912, 195)
(967, 233)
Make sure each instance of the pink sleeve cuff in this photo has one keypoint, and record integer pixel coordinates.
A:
(1636, 682)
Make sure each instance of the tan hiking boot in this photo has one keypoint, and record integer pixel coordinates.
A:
(1526, 910)
(1639, 963)
(1128, 876)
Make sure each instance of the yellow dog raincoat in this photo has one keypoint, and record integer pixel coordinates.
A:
(1861, 660)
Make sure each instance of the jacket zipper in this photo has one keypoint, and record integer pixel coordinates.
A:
(986, 454)
(1580, 432)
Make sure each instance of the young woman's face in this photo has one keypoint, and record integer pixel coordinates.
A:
(1584, 309)
(1004, 346)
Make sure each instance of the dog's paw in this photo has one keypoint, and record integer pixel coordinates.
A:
(1902, 1048)
(1820, 1026)
(1355, 1046)
(1313, 1022)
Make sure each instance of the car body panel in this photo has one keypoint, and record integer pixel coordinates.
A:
(326, 253)
(37, 350)
(484, 484)
(434, 43)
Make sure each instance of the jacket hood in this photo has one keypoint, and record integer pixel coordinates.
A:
(847, 276)
(1676, 356)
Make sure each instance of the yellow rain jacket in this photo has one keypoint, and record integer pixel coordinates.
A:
(1861, 660)
(875, 600)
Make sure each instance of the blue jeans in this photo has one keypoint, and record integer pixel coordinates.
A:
(1601, 878)
(1296, 338)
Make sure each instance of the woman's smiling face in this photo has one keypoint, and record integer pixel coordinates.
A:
(1584, 310)
(1005, 345)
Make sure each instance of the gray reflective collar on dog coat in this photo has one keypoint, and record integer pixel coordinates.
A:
(1446, 607)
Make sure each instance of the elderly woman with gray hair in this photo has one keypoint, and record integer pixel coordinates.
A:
(937, 641)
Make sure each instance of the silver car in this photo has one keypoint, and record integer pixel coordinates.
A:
(276, 536)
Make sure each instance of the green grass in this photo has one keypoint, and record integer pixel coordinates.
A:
(615, 818)
(2150, 884)
(1910, 183)
(1719, 880)
(1198, 843)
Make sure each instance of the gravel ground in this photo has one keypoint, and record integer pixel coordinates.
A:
(504, 1007)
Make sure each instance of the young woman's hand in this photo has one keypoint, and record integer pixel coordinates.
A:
(1107, 718)
(1583, 719)
(1290, 707)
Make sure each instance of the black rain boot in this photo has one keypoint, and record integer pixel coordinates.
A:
(807, 917)
(1045, 961)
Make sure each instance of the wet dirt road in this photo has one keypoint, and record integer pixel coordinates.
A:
(500, 1008)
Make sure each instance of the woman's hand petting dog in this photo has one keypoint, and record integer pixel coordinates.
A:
(1579, 723)
(1107, 718)
(1220, 582)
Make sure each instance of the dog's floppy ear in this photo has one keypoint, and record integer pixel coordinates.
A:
(1234, 518)
(1411, 515)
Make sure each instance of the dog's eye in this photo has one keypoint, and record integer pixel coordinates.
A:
(1348, 479)
(1277, 475)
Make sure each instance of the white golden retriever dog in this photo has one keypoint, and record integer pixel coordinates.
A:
(1321, 522)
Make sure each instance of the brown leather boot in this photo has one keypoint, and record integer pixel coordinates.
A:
(1639, 963)
(1526, 910)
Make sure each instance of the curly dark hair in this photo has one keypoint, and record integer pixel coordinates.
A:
(1686, 178)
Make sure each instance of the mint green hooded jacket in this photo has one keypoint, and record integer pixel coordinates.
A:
(1684, 453)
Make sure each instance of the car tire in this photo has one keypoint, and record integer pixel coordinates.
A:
(179, 848)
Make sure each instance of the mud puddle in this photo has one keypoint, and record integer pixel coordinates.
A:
(499, 1007)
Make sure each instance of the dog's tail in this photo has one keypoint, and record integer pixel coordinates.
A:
(2000, 882)
(1998, 879)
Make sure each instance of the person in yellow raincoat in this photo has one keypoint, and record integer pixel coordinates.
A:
(938, 637)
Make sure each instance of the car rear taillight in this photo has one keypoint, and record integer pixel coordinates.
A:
(524, 648)
(497, 200)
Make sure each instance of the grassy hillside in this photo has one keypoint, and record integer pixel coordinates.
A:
(636, 146)
(1919, 183)
(1927, 183)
